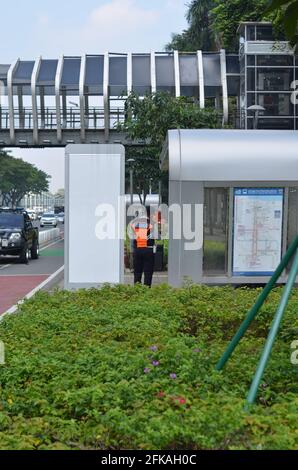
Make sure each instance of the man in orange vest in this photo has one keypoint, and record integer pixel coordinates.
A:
(144, 251)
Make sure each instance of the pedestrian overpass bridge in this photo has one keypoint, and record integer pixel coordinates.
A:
(55, 102)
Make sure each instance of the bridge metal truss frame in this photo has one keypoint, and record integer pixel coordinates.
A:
(55, 134)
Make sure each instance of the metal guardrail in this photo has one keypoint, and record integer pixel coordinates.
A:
(93, 119)
(49, 235)
(71, 119)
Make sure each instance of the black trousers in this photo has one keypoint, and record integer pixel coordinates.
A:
(143, 262)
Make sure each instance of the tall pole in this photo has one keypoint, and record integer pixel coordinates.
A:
(159, 192)
(131, 162)
(131, 185)
(256, 119)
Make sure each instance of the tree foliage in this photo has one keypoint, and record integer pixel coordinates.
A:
(18, 178)
(213, 23)
(148, 119)
(199, 34)
(226, 17)
(289, 17)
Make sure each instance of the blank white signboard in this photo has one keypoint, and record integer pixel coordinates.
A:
(94, 181)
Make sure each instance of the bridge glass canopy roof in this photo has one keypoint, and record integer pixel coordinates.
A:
(121, 71)
(37, 91)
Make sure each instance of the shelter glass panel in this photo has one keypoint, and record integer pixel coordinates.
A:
(233, 65)
(212, 74)
(165, 75)
(47, 72)
(275, 104)
(275, 60)
(141, 74)
(215, 249)
(24, 71)
(274, 79)
(118, 76)
(264, 33)
(189, 73)
(71, 72)
(94, 71)
(251, 60)
(292, 215)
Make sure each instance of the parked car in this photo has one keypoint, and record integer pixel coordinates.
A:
(48, 220)
(60, 217)
(18, 237)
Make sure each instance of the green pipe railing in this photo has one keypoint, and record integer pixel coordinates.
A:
(292, 250)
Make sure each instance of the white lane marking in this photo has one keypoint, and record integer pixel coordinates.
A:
(15, 307)
(51, 244)
(40, 249)
(25, 275)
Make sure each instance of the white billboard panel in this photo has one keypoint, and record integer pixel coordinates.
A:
(94, 188)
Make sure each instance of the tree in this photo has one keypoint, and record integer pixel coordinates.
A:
(288, 11)
(226, 17)
(199, 34)
(145, 169)
(213, 23)
(148, 119)
(18, 178)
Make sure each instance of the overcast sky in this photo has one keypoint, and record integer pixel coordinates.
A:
(73, 27)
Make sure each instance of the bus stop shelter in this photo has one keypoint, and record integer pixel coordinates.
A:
(245, 187)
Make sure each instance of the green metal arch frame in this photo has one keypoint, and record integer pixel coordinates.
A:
(292, 252)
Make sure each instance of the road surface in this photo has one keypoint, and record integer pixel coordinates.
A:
(36, 223)
(17, 280)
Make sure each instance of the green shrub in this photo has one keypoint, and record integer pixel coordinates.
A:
(80, 371)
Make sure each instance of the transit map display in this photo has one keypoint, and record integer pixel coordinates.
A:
(258, 219)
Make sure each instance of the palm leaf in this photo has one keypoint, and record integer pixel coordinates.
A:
(291, 19)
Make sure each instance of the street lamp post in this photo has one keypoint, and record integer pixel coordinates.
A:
(131, 162)
(159, 192)
(150, 187)
(256, 109)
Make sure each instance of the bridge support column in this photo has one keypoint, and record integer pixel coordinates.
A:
(10, 75)
(201, 79)
(177, 74)
(82, 97)
(106, 96)
(58, 102)
(34, 99)
(225, 100)
(153, 72)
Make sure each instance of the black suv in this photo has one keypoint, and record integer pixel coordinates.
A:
(18, 237)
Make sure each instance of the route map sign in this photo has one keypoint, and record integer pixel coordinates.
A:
(257, 244)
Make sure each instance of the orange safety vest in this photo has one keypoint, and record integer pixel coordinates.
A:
(142, 232)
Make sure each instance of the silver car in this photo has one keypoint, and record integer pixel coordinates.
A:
(60, 217)
(48, 220)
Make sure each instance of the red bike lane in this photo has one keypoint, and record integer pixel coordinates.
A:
(14, 288)
(17, 281)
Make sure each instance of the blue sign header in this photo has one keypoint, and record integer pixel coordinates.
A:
(259, 192)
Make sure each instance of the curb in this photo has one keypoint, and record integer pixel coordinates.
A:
(15, 307)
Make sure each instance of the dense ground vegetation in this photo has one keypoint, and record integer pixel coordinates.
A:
(125, 367)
